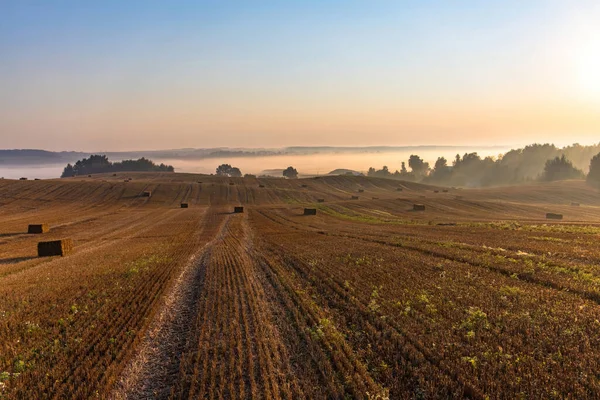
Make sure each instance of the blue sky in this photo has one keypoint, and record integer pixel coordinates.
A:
(126, 75)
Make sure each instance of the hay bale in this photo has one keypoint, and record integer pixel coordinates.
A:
(114, 174)
(23, 179)
(445, 190)
(38, 228)
(55, 248)
(361, 190)
(231, 183)
(554, 216)
(436, 191)
(398, 189)
(320, 200)
(199, 182)
(89, 176)
(304, 186)
(310, 211)
(447, 224)
(37, 179)
(375, 198)
(238, 210)
(147, 193)
(354, 198)
(126, 180)
(575, 204)
(184, 205)
(418, 207)
(261, 186)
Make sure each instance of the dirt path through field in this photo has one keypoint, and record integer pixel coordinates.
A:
(152, 371)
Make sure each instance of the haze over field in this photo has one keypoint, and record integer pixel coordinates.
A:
(137, 75)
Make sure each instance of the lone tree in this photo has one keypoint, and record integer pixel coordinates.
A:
(290, 173)
(560, 168)
(228, 170)
(593, 177)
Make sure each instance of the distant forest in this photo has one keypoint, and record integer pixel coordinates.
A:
(97, 164)
(544, 162)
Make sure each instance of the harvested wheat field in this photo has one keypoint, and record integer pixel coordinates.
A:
(477, 295)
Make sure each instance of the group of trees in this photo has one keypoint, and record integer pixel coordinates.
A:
(535, 162)
(228, 170)
(234, 172)
(96, 164)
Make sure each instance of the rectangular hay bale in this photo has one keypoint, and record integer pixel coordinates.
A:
(361, 190)
(238, 210)
(418, 207)
(398, 189)
(55, 248)
(184, 205)
(147, 194)
(354, 197)
(38, 228)
(320, 200)
(575, 204)
(310, 211)
(554, 216)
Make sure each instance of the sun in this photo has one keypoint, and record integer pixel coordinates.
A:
(587, 66)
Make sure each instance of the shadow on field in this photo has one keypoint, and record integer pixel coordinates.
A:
(11, 234)
(14, 260)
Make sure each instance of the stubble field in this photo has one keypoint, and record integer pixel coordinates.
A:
(479, 296)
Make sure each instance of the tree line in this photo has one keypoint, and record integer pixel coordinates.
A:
(97, 164)
(537, 162)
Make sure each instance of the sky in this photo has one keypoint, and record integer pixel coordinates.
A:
(139, 75)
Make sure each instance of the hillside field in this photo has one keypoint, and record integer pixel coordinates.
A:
(478, 296)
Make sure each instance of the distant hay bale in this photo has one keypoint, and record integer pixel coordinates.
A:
(310, 211)
(361, 190)
(354, 197)
(398, 189)
(38, 228)
(238, 210)
(304, 185)
(23, 179)
(445, 190)
(147, 193)
(37, 179)
(375, 198)
(554, 216)
(261, 186)
(320, 200)
(55, 248)
(231, 183)
(419, 207)
(114, 174)
(447, 224)
(199, 182)
(126, 180)
(184, 205)
(575, 204)
(436, 191)
(89, 176)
